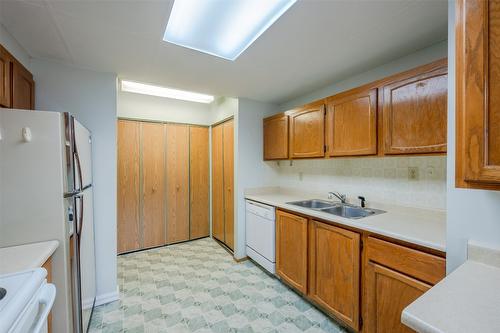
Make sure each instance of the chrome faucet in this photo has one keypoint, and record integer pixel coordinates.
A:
(341, 197)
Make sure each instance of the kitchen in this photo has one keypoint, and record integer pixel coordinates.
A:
(351, 192)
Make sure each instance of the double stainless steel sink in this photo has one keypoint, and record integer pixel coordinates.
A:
(339, 209)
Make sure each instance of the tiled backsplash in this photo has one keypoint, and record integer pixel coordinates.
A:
(382, 180)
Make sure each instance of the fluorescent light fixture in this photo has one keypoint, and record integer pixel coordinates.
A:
(223, 28)
(148, 89)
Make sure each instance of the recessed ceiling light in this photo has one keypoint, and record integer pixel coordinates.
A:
(148, 89)
(223, 28)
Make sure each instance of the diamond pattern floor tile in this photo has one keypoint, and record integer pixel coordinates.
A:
(198, 287)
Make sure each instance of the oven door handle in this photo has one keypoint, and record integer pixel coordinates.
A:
(47, 297)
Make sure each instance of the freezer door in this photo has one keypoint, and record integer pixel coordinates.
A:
(83, 155)
(85, 251)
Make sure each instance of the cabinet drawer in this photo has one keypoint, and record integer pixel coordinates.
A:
(420, 265)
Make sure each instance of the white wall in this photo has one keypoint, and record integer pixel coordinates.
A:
(223, 108)
(14, 47)
(138, 106)
(91, 97)
(424, 56)
(250, 169)
(472, 214)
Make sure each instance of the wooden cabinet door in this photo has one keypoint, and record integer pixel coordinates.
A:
(307, 132)
(199, 182)
(394, 276)
(276, 137)
(334, 271)
(352, 123)
(415, 111)
(217, 183)
(388, 292)
(229, 183)
(177, 183)
(153, 143)
(477, 98)
(23, 88)
(291, 249)
(5, 78)
(129, 237)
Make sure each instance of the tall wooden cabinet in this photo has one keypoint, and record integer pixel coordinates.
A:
(223, 183)
(153, 210)
(128, 195)
(162, 184)
(177, 183)
(17, 87)
(199, 181)
(477, 98)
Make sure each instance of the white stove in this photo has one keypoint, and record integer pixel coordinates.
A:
(25, 301)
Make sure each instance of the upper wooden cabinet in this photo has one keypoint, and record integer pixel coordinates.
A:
(17, 88)
(415, 111)
(276, 137)
(5, 78)
(334, 271)
(477, 98)
(291, 249)
(307, 132)
(352, 123)
(23, 88)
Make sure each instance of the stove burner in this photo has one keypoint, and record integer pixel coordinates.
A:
(3, 292)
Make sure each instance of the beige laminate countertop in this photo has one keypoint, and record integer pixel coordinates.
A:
(422, 227)
(467, 300)
(27, 256)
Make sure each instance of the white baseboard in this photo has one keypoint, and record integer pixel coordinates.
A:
(107, 298)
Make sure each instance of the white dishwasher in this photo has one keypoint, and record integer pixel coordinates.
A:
(260, 234)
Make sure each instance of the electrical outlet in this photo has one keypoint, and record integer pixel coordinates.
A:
(413, 173)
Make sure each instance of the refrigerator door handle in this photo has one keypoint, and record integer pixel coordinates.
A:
(78, 167)
(80, 225)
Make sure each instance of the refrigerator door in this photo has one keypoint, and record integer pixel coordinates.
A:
(83, 155)
(85, 256)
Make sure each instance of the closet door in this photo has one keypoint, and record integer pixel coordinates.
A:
(198, 182)
(228, 146)
(153, 184)
(128, 186)
(217, 183)
(177, 183)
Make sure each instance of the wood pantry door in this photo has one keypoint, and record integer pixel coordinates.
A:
(177, 183)
(128, 228)
(228, 143)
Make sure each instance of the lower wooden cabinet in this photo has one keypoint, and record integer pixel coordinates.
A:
(334, 270)
(366, 287)
(388, 293)
(394, 277)
(291, 249)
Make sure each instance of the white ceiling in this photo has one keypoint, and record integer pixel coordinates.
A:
(315, 43)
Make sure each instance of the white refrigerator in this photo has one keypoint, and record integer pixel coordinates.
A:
(46, 193)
